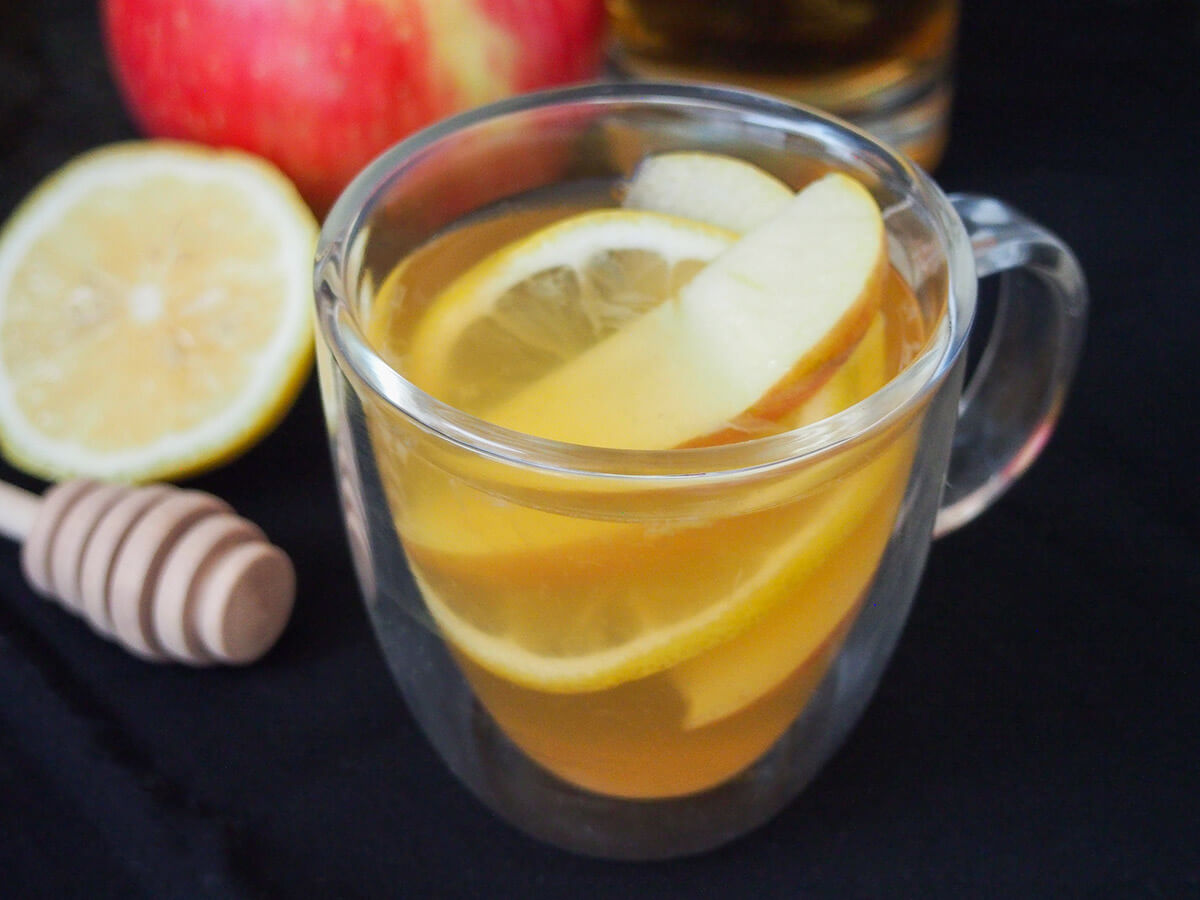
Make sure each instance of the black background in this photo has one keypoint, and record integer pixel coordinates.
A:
(1037, 734)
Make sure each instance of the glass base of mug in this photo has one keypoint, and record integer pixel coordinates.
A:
(909, 110)
(549, 809)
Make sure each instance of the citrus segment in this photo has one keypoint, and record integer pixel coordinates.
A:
(544, 299)
(154, 312)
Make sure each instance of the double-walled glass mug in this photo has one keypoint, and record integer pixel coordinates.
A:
(646, 653)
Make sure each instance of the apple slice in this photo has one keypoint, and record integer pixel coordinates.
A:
(707, 187)
(795, 639)
(750, 337)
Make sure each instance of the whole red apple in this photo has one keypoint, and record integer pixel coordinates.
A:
(320, 87)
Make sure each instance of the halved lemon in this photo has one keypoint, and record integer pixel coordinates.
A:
(155, 312)
(546, 298)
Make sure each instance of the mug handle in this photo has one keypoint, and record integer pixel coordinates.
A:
(1013, 400)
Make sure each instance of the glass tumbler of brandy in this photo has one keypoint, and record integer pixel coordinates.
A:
(883, 64)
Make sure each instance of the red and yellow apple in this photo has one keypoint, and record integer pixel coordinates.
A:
(320, 88)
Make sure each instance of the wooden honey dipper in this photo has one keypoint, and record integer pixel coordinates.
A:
(170, 574)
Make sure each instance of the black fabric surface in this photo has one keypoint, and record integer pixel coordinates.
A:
(1037, 733)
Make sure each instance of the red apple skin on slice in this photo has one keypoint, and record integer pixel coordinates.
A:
(809, 375)
(817, 365)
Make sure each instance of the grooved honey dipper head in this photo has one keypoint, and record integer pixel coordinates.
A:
(171, 574)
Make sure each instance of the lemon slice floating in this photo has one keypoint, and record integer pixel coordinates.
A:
(154, 312)
(546, 298)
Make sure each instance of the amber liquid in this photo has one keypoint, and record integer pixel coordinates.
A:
(855, 58)
(563, 573)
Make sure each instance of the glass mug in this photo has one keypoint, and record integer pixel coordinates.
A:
(882, 64)
(644, 654)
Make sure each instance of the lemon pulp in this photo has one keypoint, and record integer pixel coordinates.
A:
(154, 312)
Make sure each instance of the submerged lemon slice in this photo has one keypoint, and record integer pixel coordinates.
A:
(545, 299)
(564, 644)
(154, 312)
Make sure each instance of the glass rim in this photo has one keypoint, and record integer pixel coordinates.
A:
(357, 360)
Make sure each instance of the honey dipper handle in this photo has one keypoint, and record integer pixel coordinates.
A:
(18, 509)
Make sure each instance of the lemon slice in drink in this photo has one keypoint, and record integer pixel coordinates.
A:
(546, 298)
(564, 643)
(154, 312)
